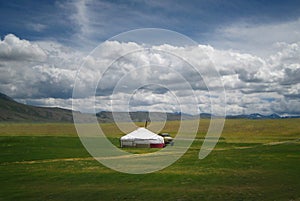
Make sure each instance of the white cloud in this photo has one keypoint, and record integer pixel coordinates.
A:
(152, 79)
(38, 27)
(13, 48)
(259, 39)
(37, 69)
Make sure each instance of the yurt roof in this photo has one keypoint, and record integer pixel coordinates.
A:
(141, 133)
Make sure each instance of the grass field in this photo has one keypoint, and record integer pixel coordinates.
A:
(254, 160)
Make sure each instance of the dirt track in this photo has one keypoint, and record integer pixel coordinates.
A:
(91, 158)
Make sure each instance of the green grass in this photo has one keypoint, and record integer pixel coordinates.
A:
(48, 162)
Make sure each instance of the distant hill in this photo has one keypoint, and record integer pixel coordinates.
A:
(258, 116)
(13, 111)
(141, 116)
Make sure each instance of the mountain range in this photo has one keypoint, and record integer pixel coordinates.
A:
(13, 111)
(259, 116)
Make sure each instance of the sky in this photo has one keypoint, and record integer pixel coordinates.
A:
(254, 46)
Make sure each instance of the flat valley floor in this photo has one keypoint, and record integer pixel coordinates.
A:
(253, 160)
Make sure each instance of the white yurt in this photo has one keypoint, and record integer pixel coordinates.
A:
(142, 137)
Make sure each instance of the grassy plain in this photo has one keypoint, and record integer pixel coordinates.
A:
(254, 160)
